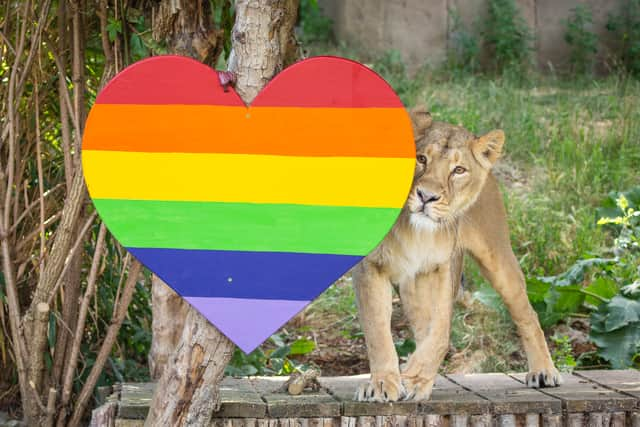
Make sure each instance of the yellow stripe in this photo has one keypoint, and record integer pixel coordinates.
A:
(246, 178)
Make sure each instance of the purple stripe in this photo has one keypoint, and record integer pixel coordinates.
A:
(247, 322)
(235, 274)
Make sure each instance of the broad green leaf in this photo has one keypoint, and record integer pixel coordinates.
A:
(619, 346)
(537, 289)
(302, 346)
(575, 274)
(604, 287)
(622, 311)
(280, 352)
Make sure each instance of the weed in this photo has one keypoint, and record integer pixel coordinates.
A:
(583, 42)
(626, 28)
(315, 27)
(462, 55)
(507, 36)
(562, 353)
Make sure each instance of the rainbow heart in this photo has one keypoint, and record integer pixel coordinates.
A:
(248, 212)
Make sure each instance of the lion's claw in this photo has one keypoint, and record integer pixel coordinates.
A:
(417, 388)
(381, 388)
(543, 378)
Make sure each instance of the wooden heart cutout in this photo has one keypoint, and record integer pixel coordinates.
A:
(248, 213)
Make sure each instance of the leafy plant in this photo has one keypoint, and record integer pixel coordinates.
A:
(405, 347)
(464, 51)
(314, 25)
(507, 36)
(626, 28)
(562, 353)
(583, 42)
(276, 361)
(615, 324)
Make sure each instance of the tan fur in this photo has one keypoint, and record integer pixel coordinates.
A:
(422, 256)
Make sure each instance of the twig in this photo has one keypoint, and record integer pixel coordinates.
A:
(32, 205)
(71, 254)
(107, 344)
(67, 384)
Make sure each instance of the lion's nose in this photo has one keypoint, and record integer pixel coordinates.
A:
(427, 197)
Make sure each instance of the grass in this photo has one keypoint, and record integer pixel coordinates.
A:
(569, 143)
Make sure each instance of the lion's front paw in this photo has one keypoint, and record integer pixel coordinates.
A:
(539, 378)
(417, 387)
(381, 388)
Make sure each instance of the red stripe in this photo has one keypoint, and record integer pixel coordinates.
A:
(315, 82)
(328, 81)
(167, 79)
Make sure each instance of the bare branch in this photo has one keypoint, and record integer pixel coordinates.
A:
(109, 340)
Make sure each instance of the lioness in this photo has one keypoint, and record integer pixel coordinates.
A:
(454, 207)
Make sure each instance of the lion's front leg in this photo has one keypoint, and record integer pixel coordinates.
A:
(420, 372)
(374, 300)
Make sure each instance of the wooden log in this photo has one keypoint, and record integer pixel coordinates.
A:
(330, 422)
(104, 416)
(532, 420)
(399, 420)
(575, 420)
(551, 420)
(459, 420)
(367, 422)
(618, 419)
(596, 419)
(483, 420)
(506, 420)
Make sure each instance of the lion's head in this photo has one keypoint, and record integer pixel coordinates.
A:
(452, 166)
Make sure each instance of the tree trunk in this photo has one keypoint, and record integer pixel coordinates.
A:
(188, 391)
(186, 27)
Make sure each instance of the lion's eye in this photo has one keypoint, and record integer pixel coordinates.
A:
(422, 159)
(459, 170)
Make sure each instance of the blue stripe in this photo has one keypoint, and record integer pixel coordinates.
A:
(236, 274)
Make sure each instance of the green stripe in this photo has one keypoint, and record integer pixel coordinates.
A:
(340, 230)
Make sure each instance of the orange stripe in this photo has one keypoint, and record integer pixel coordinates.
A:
(362, 132)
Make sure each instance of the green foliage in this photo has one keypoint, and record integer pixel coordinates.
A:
(276, 361)
(612, 294)
(223, 17)
(615, 324)
(558, 297)
(314, 25)
(462, 55)
(562, 353)
(405, 347)
(583, 42)
(507, 36)
(626, 29)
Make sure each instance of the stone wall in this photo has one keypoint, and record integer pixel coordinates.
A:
(419, 29)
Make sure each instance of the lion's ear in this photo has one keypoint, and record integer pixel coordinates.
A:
(420, 120)
(488, 148)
